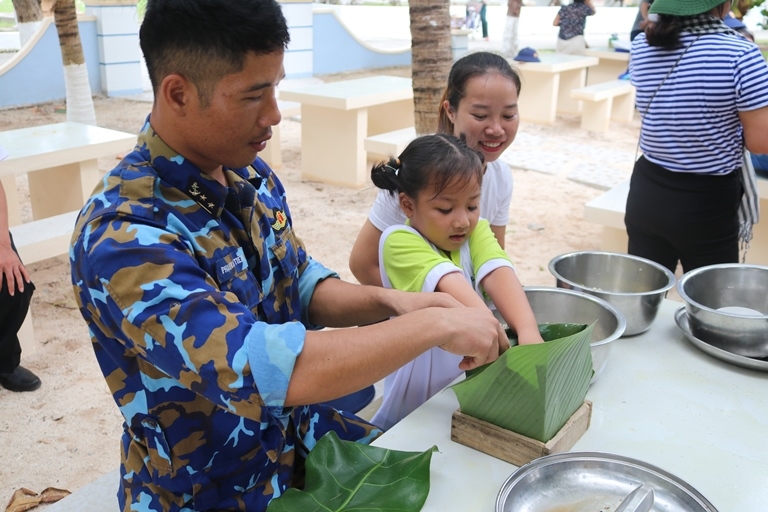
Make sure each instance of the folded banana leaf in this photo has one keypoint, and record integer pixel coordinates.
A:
(532, 389)
(548, 332)
(343, 475)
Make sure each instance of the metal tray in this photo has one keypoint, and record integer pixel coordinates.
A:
(593, 481)
(681, 318)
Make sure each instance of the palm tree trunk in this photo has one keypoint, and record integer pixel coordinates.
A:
(431, 59)
(509, 39)
(29, 16)
(79, 100)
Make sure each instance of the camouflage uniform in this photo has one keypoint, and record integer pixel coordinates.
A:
(196, 297)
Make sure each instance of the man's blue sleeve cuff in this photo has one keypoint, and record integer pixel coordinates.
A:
(312, 275)
(272, 352)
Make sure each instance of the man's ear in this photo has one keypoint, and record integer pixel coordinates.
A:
(406, 203)
(178, 93)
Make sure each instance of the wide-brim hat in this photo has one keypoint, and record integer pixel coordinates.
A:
(684, 7)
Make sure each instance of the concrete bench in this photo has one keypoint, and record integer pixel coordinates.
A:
(389, 143)
(605, 101)
(36, 241)
(272, 154)
(608, 210)
(61, 163)
(336, 117)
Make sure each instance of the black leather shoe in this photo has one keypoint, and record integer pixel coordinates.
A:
(20, 379)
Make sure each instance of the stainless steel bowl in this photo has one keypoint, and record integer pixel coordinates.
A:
(594, 481)
(741, 328)
(636, 286)
(558, 306)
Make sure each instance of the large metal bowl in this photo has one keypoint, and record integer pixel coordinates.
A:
(558, 306)
(742, 327)
(594, 481)
(636, 286)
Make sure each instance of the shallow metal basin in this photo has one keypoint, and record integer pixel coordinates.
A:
(593, 482)
(742, 328)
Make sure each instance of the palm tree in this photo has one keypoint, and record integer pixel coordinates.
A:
(431, 58)
(79, 100)
(29, 16)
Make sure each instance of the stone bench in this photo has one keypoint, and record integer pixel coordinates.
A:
(608, 210)
(36, 241)
(389, 143)
(605, 101)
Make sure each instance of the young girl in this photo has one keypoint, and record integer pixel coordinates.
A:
(480, 104)
(444, 246)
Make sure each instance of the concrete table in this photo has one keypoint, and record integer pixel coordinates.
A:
(61, 162)
(659, 400)
(336, 118)
(612, 64)
(547, 85)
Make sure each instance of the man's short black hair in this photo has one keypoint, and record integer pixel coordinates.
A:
(204, 40)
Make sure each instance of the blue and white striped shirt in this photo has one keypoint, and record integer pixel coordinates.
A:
(693, 123)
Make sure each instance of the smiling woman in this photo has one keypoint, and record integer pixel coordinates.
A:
(480, 105)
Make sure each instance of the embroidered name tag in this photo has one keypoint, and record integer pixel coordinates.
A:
(231, 265)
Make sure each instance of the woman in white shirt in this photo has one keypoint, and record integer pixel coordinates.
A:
(480, 104)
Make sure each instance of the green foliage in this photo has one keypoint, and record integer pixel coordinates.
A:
(6, 6)
(532, 389)
(342, 475)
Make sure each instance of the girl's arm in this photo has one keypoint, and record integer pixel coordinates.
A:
(504, 288)
(456, 285)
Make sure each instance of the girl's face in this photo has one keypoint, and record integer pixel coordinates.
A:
(447, 219)
(487, 115)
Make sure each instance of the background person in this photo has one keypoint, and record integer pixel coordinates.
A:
(15, 295)
(480, 103)
(444, 246)
(202, 301)
(701, 92)
(572, 19)
(641, 20)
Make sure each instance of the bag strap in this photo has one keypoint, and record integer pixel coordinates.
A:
(648, 107)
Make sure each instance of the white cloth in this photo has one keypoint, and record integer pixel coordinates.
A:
(494, 202)
(572, 46)
(414, 383)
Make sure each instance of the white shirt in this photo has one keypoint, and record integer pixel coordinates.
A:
(495, 199)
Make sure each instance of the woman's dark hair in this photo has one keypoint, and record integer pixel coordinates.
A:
(429, 161)
(665, 32)
(467, 67)
(205, 40)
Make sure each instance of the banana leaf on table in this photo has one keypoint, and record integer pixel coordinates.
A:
(344, 475)
(532, 389)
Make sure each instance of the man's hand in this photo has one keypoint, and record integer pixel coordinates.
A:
(473, 333)
(12, 270)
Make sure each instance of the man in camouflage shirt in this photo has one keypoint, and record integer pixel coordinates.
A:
(203, 305)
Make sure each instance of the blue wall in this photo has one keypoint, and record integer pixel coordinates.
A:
(39, 77)
(336, 50)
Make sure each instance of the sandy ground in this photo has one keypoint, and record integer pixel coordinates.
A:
(66, 434)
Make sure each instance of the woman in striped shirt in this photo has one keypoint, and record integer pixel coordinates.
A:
(702, 91)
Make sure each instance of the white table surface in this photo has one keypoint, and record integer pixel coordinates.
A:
(660, 400)
(557, 63)
(351, 94)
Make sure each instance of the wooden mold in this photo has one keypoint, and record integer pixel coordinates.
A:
(515, 448)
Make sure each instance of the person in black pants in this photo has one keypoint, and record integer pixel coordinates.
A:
(15, 295)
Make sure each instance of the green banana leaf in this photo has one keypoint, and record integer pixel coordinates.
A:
(531, 389)
(343, 475)
(548, 332)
